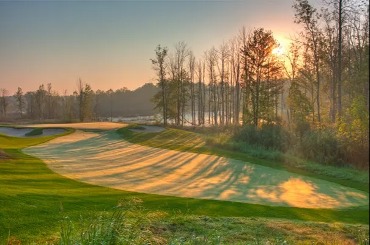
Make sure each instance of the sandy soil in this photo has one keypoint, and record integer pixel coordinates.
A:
(103, 158)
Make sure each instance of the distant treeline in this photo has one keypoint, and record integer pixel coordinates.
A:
(84, 104)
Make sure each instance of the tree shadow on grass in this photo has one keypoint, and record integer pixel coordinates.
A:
(103, 158)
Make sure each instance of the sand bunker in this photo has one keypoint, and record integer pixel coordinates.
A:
(15, 132)
(103, 158)
(57, 128)
(91, 125)
(21, 132)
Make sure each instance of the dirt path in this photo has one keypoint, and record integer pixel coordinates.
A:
(103, 158)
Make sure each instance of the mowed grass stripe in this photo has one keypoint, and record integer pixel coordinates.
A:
(181, 140)
(33, 204)
(33, 200)
(103, 158)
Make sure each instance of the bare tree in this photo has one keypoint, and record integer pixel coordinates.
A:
(201, 99)
(192, 86)
(223, 55)
(182, 52)
(49, 104)
(235, 78)
(245, 74)
(110, 94)
(213, 89)
(308, 16)
(80, 95)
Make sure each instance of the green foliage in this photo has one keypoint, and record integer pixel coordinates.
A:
(353, 131)
(298, 102)
(300, 128)
(321, 146)
(268, 136)
(262, 86)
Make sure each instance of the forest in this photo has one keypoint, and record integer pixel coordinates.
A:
(310, 101)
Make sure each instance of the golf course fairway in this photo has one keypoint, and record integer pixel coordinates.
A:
(104, 158)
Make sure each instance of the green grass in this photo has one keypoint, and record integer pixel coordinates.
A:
(34, 200)
(130, 223)
(216, 144)
(8, 142)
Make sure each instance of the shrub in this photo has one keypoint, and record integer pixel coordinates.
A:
(269, 137)
(355, 153)
(321, 146)
(353, 132)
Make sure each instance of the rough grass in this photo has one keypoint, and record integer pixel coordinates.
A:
(32, 194)
(3, 155)
(130, 223)
(34, 200)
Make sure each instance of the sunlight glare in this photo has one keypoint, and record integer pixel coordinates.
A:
(278, 51)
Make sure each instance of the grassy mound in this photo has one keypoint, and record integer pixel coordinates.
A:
(216, 143)
(131, 223)
(34, 132)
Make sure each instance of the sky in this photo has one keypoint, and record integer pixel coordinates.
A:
(109, 44)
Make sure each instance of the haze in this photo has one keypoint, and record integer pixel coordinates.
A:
(109, 44)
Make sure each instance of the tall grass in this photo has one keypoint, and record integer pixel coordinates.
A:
(130, 223)
(127, 224)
